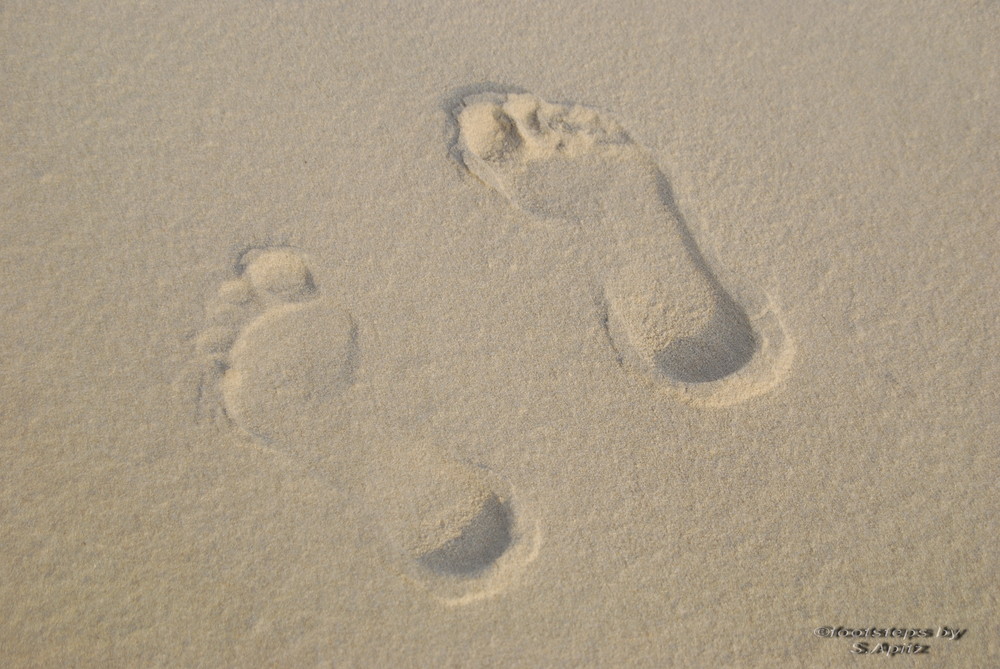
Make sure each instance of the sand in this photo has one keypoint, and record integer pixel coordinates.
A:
(518, 335)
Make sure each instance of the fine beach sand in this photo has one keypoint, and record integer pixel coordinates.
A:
(466, 335)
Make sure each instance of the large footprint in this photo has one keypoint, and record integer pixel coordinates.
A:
(278, 358)
(667, 316)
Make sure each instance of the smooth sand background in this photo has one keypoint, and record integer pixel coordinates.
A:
(839, 158)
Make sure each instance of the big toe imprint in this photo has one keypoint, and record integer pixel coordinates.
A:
(668, 317)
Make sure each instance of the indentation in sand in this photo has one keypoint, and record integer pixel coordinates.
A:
(479, 542)
(667, 316)
(681, 330)
(456, 527)
(279, 358)
(293, 359)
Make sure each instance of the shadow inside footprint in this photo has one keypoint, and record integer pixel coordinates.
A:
(724, 347)
(456, 530)
(483, 540)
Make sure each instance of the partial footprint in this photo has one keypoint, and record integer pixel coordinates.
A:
(455, 528)
(667, 316)
(293, 362)
(277, 355)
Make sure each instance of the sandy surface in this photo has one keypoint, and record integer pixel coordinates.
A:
(578, 335)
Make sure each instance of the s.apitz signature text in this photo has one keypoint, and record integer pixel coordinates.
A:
(890, 641)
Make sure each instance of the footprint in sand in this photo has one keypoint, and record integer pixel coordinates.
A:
(280, 358)
(666, 315)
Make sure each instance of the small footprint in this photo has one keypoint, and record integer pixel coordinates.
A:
(277, 359)
(666, 314)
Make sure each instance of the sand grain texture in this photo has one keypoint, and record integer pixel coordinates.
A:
(448, 334)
